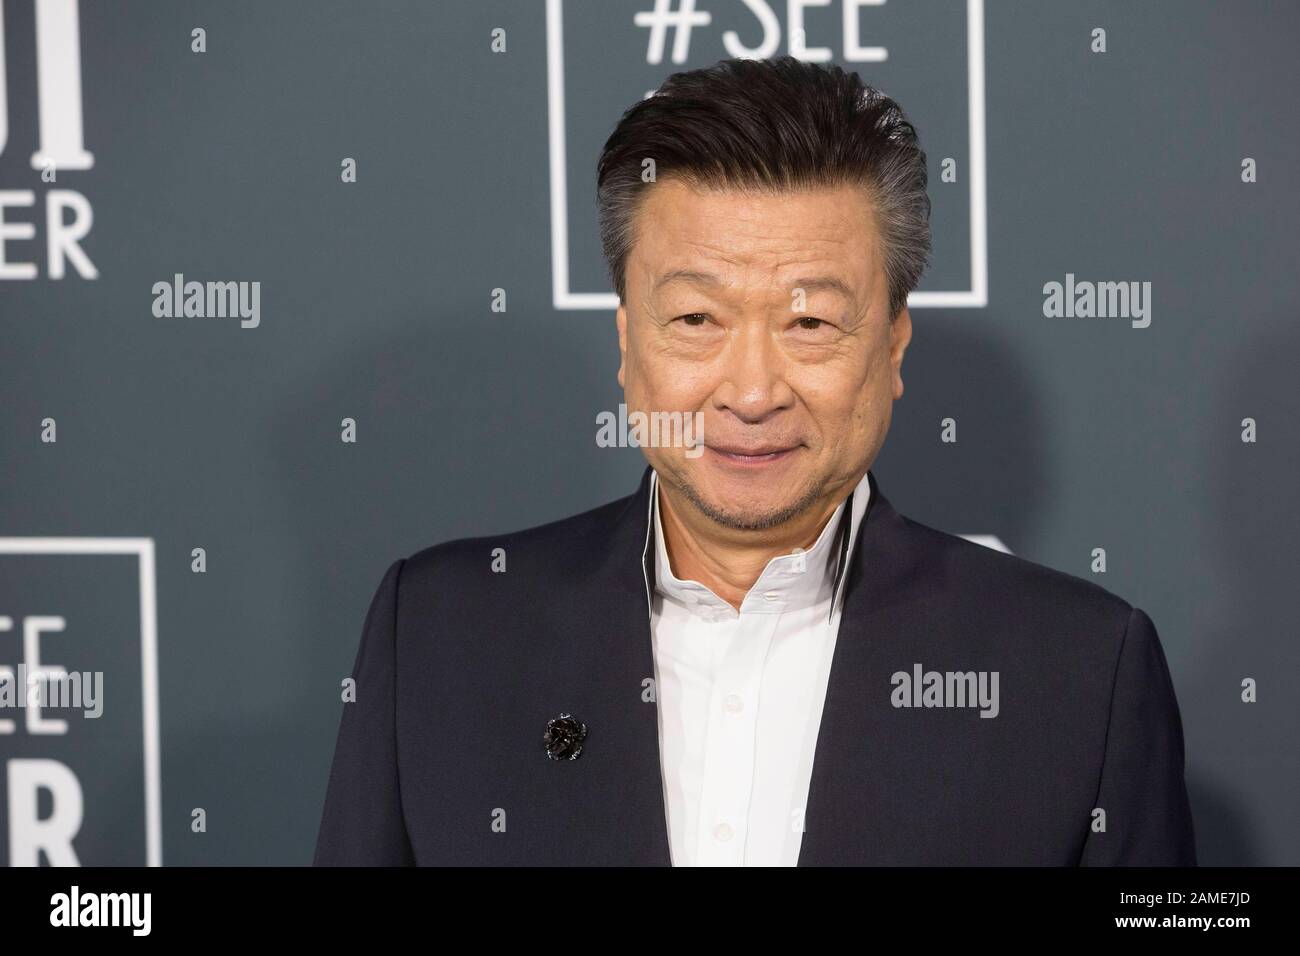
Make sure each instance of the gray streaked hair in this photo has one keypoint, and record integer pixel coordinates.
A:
(773, 126)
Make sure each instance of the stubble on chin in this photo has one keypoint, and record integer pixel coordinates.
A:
(751, 520)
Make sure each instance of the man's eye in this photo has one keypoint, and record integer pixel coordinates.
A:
(694, 319)
(811, 324)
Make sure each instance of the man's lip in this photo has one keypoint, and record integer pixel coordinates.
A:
(758, 452)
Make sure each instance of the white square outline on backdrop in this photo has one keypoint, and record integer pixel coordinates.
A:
(143, 549)
(976, 297)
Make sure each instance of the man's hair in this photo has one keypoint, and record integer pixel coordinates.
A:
(772, 126)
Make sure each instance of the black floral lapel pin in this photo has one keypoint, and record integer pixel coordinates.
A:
(564, 736)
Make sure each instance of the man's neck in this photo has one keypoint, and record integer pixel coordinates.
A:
(725, 560)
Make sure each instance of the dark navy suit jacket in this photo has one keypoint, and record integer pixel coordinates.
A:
(440, 760)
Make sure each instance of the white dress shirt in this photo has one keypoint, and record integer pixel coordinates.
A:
(740, 697)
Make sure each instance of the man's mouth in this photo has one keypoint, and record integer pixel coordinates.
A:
(756, 455)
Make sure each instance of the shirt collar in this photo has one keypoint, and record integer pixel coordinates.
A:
(801, 578)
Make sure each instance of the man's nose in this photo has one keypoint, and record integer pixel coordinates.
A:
(753, 384)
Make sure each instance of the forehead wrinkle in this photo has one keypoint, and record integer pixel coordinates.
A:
(739, 261)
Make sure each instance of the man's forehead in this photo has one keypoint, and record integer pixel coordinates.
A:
(822, 240)
(833, 209)
(830, 283)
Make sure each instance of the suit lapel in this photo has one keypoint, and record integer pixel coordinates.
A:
(841, 788)
(622, 763)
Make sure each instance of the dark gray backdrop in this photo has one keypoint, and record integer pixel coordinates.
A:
(375, 305)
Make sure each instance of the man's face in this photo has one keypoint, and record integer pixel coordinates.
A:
(770, 316)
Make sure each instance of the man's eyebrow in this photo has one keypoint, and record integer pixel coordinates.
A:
(825, 284)
(810, 284)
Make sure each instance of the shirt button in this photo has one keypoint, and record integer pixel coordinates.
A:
(772, 596)
(734, 703)
(722, 832)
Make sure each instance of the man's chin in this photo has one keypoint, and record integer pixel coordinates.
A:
(746, 508)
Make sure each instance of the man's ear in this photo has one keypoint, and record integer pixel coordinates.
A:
(620, 319)
(900, 334)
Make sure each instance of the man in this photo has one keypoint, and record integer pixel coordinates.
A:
(754, 660)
